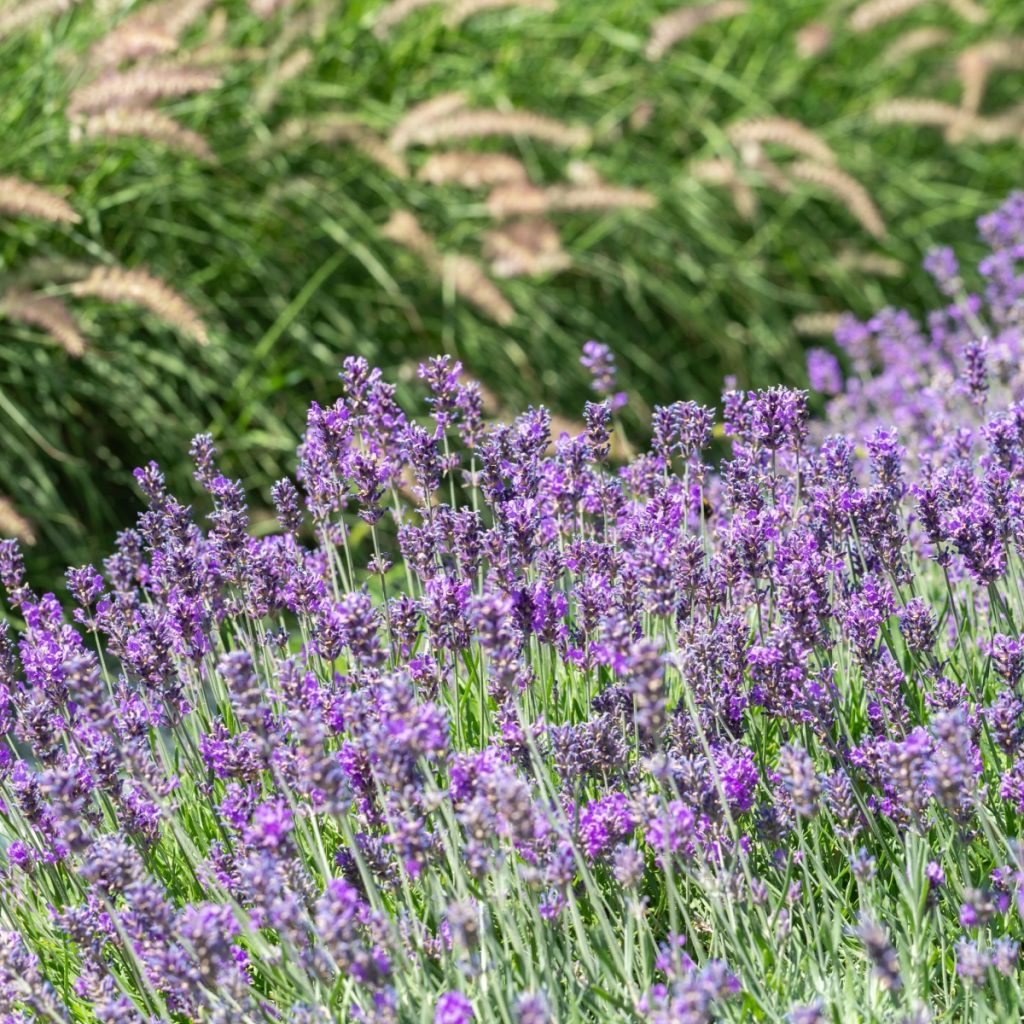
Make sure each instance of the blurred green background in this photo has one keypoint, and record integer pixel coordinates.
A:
(740, 246)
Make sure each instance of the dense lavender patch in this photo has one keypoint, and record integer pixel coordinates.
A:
(491, 729)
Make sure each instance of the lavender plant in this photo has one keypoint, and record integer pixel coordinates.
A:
(490, 729)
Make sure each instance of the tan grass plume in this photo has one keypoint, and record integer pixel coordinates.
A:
(813, 39)
(783, 131)
(266, 9)
(465, 276)
(579, 172)
(471, 170)
(320, 14)
(48, 315)
(394, 13)
(480, 124)
(968, 10)
(641, 115)
(332, 129)
(744, 198)
(131, 42)
(1001, 52)
(266, 93)
(916, 110)
(519, 199)
(845, 188)
(296, 28)
(217, 27)
(914, 41)
(425, 113)
(873, 263)
(816, 325)
(21, 15)
(873, 13)
(48, 270)
(714, 171)
(19, 198)
(958, 124)
(768, 171)
(139, 86)
(527, 247)
(461, 10)
(140, 288)
(404, 229)
(14, 524)
(975, 66)
(717, 171)
(152, 30)
(675, 26)
(176, 16)
(153, 125)
(469, 280)
(1003, 127)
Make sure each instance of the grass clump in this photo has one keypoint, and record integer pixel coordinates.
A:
(702, 183)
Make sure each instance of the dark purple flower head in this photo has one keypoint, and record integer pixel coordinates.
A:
(605, 823)
(800, 779)
(12, 572)
(683, 429)
(21, 856)
(1007, 654)
(887, 461)
(470, 404)
(974, 530)
(208, 929)
(598, 418)
(917, 625)
(441, 374)
(85, 585)
(671, 830)
(600, 361)
(204, 456)
(774, 419)
(287, 502)
(271, 825)
(738, 776)
(357, 380)
(628, 866)
(975, 370)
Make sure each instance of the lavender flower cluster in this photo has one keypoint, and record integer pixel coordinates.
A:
(492, 729)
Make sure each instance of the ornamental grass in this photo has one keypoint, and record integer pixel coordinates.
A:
(493, 727)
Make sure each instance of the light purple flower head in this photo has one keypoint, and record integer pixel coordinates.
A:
(453, 1008)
